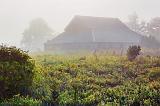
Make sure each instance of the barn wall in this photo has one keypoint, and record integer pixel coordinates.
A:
(98, 46)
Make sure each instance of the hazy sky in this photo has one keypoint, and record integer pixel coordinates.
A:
(16, 14)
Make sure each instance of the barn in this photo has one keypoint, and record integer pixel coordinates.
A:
(93, 33)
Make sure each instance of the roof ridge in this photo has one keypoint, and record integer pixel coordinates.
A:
(95, 16)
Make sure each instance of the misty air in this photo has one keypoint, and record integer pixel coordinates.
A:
(79, 53)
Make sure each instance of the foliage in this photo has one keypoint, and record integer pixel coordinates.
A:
(154, 28)
(16, 71)
(17, 100)
(150, 30)
(154, 73)
(40, 88)
(89, 80)
(104, 79)
(133, 52)
(36, 35)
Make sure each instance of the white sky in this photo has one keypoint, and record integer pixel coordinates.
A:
(16, 14)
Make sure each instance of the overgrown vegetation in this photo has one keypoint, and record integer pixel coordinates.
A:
(16, 71)
(102, 79)
(89, 80)
(18, 100)
(133, 52)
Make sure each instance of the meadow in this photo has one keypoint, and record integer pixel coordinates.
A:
(91, 80)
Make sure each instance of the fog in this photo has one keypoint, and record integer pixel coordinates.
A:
(15, 15)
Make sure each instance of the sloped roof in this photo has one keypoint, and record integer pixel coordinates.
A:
(88, 22)
(97, 29)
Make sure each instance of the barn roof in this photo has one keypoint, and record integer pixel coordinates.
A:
(88, 22)
(96, 29)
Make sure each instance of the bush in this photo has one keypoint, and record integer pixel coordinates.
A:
(40, 88)
(154, 73)
(133, 52)
(16, 71)
(21, 101)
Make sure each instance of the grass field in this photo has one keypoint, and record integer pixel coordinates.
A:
(102, 79)
(93, 80)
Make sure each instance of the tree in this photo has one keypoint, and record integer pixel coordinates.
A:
(150, 31)
(16, 71)
(133, 22)
(154, 28)
(136, 25)
(36, 35)
(143, 28)
(133, 52)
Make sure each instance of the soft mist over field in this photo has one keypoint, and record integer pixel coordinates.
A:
(79, 53)
(15, 15)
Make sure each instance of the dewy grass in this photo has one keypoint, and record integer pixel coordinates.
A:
(95, 79)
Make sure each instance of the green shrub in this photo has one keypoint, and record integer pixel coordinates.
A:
(16, 71)
(40, 88)
(133, 52)
(154, 73)
(21, 101)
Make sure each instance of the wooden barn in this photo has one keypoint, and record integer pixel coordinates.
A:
(93, 33)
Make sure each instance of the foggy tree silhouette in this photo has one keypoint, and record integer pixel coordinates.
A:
(35, 35)
(154, 28)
